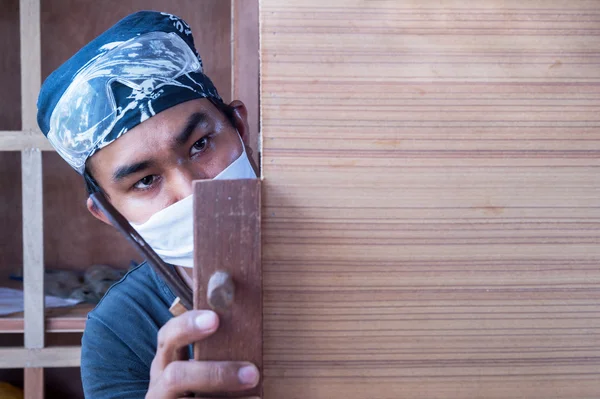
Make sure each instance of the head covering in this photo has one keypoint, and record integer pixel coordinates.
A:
(144, 64)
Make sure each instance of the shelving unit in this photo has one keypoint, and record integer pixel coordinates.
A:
(58, 320)
(35, 321)
(33, 356)
(69, 319)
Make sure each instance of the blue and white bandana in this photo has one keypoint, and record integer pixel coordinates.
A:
(144, 64)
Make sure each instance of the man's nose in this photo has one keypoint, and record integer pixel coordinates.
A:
(181, 182)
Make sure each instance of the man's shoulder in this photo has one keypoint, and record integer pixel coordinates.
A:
(140, 290)
(119, 341)
(138, 302)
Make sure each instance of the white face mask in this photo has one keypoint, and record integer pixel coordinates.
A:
(170, 232)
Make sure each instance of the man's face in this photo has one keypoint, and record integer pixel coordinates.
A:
(153, 165)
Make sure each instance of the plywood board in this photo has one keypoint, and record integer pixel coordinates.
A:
(431, 213)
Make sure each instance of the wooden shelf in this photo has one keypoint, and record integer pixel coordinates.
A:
(58, 320)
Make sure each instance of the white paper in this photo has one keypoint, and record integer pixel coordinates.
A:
(11, 301)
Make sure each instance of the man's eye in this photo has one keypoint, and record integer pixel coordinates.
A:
(199, 146)
(145, 182)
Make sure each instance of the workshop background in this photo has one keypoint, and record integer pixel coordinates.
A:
(431, 203)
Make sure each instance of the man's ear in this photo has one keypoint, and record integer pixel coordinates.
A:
(240, 120)
(97, 213)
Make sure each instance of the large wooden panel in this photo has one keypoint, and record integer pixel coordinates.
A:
(432, 199)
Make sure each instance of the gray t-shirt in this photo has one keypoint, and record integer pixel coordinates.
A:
(119, 341)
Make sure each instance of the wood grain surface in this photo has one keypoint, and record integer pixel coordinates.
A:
(431, 213)
(227, 220)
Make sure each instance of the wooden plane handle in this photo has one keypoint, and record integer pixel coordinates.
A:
(227, 272)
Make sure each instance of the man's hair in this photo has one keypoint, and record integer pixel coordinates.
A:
(92, 186)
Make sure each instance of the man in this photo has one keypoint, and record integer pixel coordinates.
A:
(134, 114)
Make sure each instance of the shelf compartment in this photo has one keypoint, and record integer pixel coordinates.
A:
(57, 320)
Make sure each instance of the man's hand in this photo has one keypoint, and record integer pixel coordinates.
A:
(172, 377)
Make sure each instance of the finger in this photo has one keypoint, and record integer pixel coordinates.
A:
(179, 332)
(206, 378)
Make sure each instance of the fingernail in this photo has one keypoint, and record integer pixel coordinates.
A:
(248, 375)
(205, 321)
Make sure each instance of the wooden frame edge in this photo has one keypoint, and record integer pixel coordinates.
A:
(55, 356)
(19, 140)
(245, 66)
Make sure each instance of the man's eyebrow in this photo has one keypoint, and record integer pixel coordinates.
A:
(124, 171)
(194, 120)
